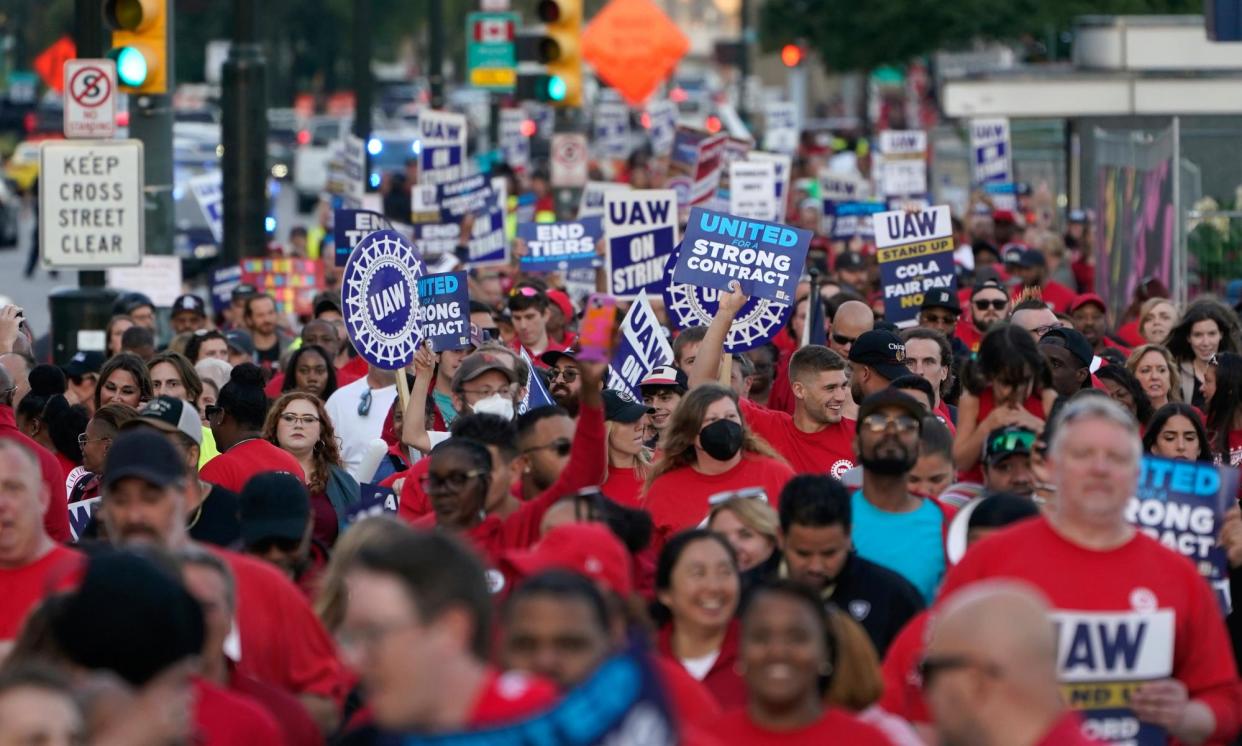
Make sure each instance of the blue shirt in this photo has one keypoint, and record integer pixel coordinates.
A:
(910, 544)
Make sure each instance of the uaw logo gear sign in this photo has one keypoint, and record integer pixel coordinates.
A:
(691, 305)
(381, 301)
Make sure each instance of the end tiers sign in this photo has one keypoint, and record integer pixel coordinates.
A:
(91, 203)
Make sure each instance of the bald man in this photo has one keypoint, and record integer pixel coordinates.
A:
(56, 512)
(18, 368)
(852, 320)
(990, 672)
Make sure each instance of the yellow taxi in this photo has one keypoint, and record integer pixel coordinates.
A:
(22, 167)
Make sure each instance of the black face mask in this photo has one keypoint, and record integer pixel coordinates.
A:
(722, 439)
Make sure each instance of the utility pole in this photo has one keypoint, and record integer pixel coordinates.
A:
(435, 49)
(92, 38)
(364, 81)
(245, 139)
(743, 62)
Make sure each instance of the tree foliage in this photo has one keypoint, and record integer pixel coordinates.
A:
(852, 36)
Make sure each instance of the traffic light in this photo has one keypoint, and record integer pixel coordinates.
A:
(557, 48)
(791, 55)
(139, 44)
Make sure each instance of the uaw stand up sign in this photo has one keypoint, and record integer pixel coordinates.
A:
(380, 290)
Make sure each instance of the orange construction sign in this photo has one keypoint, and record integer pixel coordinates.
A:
(633, 47)
(50, 64)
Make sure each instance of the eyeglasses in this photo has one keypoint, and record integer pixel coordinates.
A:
(996, 304)
(935, 318)
(485, 393)
(932, 666)
(211, 410)
(83, 440)
(569, 374)
(290, 418)
(562, 447)
(364, 404)
(370, 636)
(454, 482)
(1012, 441)
(878, 423)
(749, 493)
(843, 340)
(282, 544)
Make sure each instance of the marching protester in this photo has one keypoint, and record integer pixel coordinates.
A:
(1157, 373)
(1176, 431)
(1206, 327)
(237, 422)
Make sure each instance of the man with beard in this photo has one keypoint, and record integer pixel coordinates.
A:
(893, 527)
(877, 359)
(1007, 461)
(815, 527)
(817, 436)
(989, 303)
(1090, 315)
(1032, 267)
(263, 322)
(564, 378)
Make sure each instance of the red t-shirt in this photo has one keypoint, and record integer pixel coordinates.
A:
(25, 586)
(291, 717)
(56, 516)
(509, 696)
(833, 727)
(722, 681)
(691, 702)
(553, 346)
(903, 695)
(678, 499)
(830, 450)
(224, 718)
(282, 641)
(233, 468)
(987, 402)
(968, 333)
(1136, 613)
(623, 486)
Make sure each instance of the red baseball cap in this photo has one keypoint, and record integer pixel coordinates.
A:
(587, 548)
(1087, 298)
(562, 302)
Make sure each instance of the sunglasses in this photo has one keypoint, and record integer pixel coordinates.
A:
(364, 404)
(843, 340)
(1009, 442)
(935, 318)
(455, 482)
(282, 544)
(932, 666)
(526, 291)
(996, 304)
(569, 374)
(562, 447)
(878, 423)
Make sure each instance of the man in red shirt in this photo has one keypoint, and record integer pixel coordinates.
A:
(281, 640)
(989, 303)
(236, 421)
(418, 630)
(1141, 642)
(990, 672)
(1032, 267)
(817, 437)
(31, 564)
(56, 509)
(1090, 315)
(529, 308)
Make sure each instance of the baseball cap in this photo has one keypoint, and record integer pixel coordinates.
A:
(478, 363)
(325, 302)
(851, 261)
(587, 548)
(562, 301)
(1014, 253)
(881, 350)
(941, 298)
(171, 415)
(986, 284)
(239, 339)
(273, 505)
(1072, 340)
(621, 406)
(666, 375)
(550, 357)
(128, 302)
(979, 247)
(83, 362)
(191, 303)
(1006, 441)
(145, 455)
(1086, 299)
(243, 291)
(1002, 216)
(885, 398)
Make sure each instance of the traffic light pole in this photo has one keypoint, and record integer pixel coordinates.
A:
(92, 39)
(244, 137)
(151, 120)
(743, 63)
(435, 51)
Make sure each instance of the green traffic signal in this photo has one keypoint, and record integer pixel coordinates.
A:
(131, 66)
(557, 89)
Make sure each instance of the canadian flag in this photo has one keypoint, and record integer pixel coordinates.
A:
(493, 30)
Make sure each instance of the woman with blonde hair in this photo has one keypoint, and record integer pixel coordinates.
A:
(1156, 370)
(708, 449)
(330, 598)
(629, 459)
(1156, 319)
(857, 682)
(751, 527)
(300, 425)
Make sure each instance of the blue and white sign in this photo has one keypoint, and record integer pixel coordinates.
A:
(537, 394)
(513, 143)
(752, 190)
(349, 227)
(80, 514)
(208, 189)
(223, 280)
(454, 199)
(380, 289)
(1182, 505)
(758, 321)
(765, 258)
(641, 347)
(903, 163)
(487, 243)
(373, 500)
(611, 131)
(442, 136)
(556, 247)
(593, 195)
(780, 127)
(444, 310)
(991, 161)
(782, 165)
(854, 219)
(915, 254)
(662, 127)
(640, 226)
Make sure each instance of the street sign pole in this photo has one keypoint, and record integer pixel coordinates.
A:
(245, 140)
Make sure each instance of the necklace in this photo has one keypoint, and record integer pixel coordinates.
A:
(198, 512)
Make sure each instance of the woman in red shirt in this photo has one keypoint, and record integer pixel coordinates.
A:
(698, 588)
(707, 450)
(629, 461)
(786, 651)
(1222, 395)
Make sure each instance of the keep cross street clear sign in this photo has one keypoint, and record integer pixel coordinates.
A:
(90, 203)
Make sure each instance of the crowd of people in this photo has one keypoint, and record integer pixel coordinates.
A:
(860, 541)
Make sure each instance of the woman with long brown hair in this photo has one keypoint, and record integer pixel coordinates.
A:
(298, 423)
(708, 450)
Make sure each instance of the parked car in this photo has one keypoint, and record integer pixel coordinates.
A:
(22, 167)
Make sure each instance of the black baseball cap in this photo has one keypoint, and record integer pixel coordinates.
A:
(881, 350)
(243, 291)
(171, 415)
(191, 303)
(550, 357)
(325, 302)
(83, 362)
(1072, 340)
(1013, 254)
(1006, 441)
(851, 261)
(129, 302)
(144, 455)
(885, 398)
(986, 285)
(239, 339)
(941, 298)
(273, 505)
(621, 406)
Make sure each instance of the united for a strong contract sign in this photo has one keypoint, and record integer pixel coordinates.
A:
(380, 288)
(765, 258)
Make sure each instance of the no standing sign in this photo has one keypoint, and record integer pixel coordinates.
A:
(90, 98)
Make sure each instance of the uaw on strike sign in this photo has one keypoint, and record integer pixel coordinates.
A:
(90, 203)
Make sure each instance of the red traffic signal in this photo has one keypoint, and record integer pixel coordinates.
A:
(791, 55)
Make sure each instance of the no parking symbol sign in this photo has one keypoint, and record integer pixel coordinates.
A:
(90, 98)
